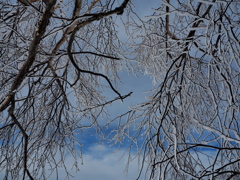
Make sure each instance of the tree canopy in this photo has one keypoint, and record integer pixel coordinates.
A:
(59, 57)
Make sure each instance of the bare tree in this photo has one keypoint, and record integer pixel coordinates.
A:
(189, 127)
(57, 57)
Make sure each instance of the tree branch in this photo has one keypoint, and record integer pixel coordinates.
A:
(31, 53)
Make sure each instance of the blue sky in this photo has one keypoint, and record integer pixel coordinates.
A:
(102, 161)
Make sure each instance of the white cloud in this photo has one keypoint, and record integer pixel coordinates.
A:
(102, 164)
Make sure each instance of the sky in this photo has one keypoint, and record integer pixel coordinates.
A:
(102, 161)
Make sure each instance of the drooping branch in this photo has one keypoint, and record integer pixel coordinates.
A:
(70, 55)
(94, 17)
